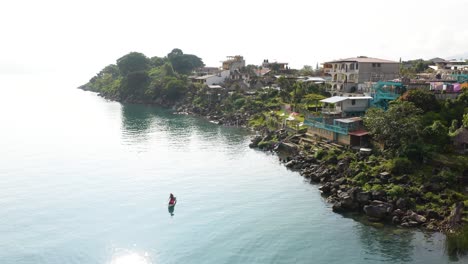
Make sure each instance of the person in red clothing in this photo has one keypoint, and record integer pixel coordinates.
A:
(172, 199)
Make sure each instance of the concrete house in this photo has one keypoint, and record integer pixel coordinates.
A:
(340, 120)
(350, 75)
(343, 106)
(213, 79)
(233, 63)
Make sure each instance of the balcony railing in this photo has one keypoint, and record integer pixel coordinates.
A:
(333, 128)
(343, 71)
(331, 111)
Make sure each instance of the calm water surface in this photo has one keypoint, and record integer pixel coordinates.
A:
(85, 180)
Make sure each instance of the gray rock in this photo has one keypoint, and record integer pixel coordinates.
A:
(346, 201)
(338, 207)
(379, 195)
(290, 163)
(401, 203)
(431, 214)
(363, 197)
(398, 212)
(326, 188)
(378, 209)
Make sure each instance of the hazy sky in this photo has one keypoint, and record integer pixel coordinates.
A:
(84, 36)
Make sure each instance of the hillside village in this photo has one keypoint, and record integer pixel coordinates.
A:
(353, 85)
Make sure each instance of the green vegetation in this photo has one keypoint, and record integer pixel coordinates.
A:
(137, 78)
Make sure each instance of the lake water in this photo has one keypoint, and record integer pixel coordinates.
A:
(85, 180)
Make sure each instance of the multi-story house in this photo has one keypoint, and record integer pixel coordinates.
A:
(233, 63)
(352, 75)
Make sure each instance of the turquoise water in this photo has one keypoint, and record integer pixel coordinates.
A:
(85, 180)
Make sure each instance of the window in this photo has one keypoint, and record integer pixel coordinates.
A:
(373, 65)
(378, 64)
(353, 102)
(357, 66)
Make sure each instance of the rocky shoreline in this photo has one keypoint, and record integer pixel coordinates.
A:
(335, 178)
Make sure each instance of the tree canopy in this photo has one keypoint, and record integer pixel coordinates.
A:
(133, 62)
(184, 63)
(397, 127)
(422, 99)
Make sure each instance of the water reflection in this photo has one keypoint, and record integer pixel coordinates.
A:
(391, 244)
(136, 122)
(170, 209)
(141, 122)
(456, 244)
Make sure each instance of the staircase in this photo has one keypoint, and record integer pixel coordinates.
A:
(316, 141)
(382, 96)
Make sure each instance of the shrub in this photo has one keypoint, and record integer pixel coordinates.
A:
(395, 190)
(448, 176)
(320, 154)
(401, 166)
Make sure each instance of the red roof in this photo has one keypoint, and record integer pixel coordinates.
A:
(359, 133)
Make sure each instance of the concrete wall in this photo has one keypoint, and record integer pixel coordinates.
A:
(359, 106)
(329, 135)
(321, 132)
(344, 139)
(386, 71)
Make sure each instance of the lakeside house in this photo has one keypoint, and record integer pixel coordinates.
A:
(212, 79)
(233, 63)
(340, 120)
(345, 106)
(351, 75)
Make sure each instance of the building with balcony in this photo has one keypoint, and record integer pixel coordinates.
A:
(343, 106)
(351, 75)
(346, 131)
(233, 63)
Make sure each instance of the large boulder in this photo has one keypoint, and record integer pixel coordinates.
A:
(401, 203)
(363, 197)
(379, 195)
(378, 209)
(347, 201)
(326, 188)
(255, 141)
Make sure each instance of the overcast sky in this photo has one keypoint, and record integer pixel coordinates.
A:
(84, 36)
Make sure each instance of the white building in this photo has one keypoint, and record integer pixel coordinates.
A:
(346, 106)
(213, 79)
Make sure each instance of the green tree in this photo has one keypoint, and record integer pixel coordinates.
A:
(306, 70)
(133, 62)
(422, 99)
(436, 134)
(395, 128)
(453, 126)
(465, 120)
(157, 61)
(184, 63)
(175, 88)
(134, 84)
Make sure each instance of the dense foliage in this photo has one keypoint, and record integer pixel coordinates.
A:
(137, 78)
